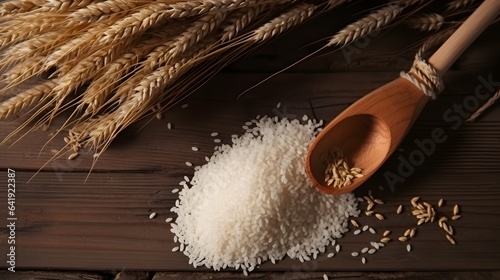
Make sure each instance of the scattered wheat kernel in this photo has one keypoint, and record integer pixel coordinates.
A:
(354, 223)
(278, 105)
(455, 209)
(421, 221)
(213, 134)
(456, 217)
(375, 245)
(188, 163)
(408, 247)
(381, 244)
(325, 277)
(354, 254)
(370, 206)
(407, 232)
(400, 209)
(217, 140)
(73, 156)
(371, 251)
(440, 202)
(356, 232)
(168, 220)
(363, 260)
(385, 240)
(369, 213)
(175, 249)
(402, 238)
(152, 215)
(412, 232)
(379, 216)
(448, 228)
(365, 227)
(184, 106)
(169, 125)
(452, 241)
(364, 250)
(337, 248)
(195, 149)
(386, 233)
(378, 201)
(372, 230)
(175, 190)
(367, 199)
(331, 255)
(414, 201)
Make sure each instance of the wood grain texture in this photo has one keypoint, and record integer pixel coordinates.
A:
(69, 221)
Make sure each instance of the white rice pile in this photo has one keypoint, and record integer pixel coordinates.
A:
(253, 202)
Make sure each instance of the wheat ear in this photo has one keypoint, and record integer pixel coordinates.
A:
(192, 35)
(366, 25)
(99, 90)
(28, 27)
(197, 7)
(25, 99)
(65, 5)
(97, 11)
(238, 20)
(427, 22)
(25, 70)
(19, 6)
(458, 4)
(285, 21)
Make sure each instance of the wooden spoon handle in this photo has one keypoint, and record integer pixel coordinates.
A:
(449, 52)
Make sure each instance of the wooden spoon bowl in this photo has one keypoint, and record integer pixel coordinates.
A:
(366, 150)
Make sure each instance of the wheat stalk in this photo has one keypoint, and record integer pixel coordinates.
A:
(435, 40)
(285, 21)
(366, 25)
(25, 99)
(427, 22)
(330, 4)
(485, 106)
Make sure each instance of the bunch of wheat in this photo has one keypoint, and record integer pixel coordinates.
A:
(114, 61)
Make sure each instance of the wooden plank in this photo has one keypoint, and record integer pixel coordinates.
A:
(104, 224)
(469, 275)
(52, 275)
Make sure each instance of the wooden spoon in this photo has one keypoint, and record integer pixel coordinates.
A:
(371, 129)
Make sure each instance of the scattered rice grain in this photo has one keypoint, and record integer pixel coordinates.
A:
(408, 247)
(152, 215)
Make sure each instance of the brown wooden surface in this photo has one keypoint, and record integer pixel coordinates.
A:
(102, 224)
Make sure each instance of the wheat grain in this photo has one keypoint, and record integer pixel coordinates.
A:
(366, 25)
(427, 22)
(25, 99)
(285, 21)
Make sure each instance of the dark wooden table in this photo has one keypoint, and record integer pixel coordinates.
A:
(68, 221)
